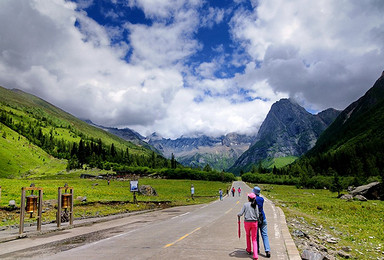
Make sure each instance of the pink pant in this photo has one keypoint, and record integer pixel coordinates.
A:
(251, 232)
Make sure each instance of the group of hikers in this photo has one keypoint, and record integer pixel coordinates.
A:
(255, 221)
(233, 190)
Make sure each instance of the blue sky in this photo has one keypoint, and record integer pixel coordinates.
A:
(190, 67)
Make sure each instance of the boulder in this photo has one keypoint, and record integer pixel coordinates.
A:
(346, 197)
(311, 255)
(82, 198)
(360, 197)
(370, 191)
(343, 254)
(147, 190)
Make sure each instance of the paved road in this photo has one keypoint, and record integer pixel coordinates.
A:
(192, 232)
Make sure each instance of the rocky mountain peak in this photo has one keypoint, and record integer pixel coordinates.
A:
(288, 130)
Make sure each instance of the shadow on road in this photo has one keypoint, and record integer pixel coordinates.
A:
(239, 253)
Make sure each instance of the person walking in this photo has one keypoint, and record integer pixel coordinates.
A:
(233, 191)
(251, 214)
(192, 191)
(239, 191)
(221, 194)
(262, 223)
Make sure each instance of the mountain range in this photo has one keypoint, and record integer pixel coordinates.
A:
(353, 136)
(219, 152)
(287, 131)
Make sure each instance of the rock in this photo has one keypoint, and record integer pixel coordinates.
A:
(346, 249)
(299, 233)
(49, 203)
(343, 254)
(12, 204)
(323, 248)
(332, 240)
(351, 188)
(147, 190)
(347, 197)
(81, 198)
(311, 255)
(371, 191)
(360, 198)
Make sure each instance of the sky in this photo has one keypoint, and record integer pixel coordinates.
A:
(190, 67)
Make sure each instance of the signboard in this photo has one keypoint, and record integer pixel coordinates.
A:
(134, 185)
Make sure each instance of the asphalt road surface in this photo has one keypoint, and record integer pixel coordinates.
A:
(208, 231)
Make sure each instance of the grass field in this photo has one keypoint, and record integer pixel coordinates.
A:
(20, 158)
(359, 225)
(104, 199)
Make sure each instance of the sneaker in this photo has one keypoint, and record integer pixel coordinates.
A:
(268, 254)
(249, 253)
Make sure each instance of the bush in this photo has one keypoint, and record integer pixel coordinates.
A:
(187, 173)
(269, 178)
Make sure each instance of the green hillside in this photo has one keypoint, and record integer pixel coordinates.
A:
(34, 133)
(21, 158)
(353, 145)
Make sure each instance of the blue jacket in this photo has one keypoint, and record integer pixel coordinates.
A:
(260, 205)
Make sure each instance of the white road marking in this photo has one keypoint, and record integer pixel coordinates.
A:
(277, 230)
(180, 215)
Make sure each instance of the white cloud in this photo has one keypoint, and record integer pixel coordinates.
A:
(164, 9)
(327, 52)
(161, 45)
(79, 72)
(322, 54)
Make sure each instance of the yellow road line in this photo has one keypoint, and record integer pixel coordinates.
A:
(181, 238)
(228, 211)
(238, 202)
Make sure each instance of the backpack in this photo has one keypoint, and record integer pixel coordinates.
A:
(261, 218)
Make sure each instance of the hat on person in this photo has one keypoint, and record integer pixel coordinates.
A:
(256, 190)
(251, 195)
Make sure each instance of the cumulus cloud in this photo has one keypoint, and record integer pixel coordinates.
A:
(76, 68)
(327, 53)
(146, 76)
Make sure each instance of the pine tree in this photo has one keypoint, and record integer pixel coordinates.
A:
(207, 168)
(173, 161)
(336, 185)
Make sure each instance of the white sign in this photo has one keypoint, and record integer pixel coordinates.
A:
(134, 185)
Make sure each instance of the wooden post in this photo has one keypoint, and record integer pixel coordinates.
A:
(71, 209)
(22, 208)
(40, 210)
(134, 197)
(22, 211)
(59, 204)
(58, 216)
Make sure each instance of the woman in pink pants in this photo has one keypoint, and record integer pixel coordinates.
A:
(251, 213)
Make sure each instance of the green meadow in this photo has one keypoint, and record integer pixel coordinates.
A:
(104, 199)
(359, 225)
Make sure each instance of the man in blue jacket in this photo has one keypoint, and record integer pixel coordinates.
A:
(263, 227)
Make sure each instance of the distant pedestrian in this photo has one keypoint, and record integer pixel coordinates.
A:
(262, 223)
(233, 191)
(192, 191)
(109, 181)
(239, 191)
(221, 194)
(251, 215)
